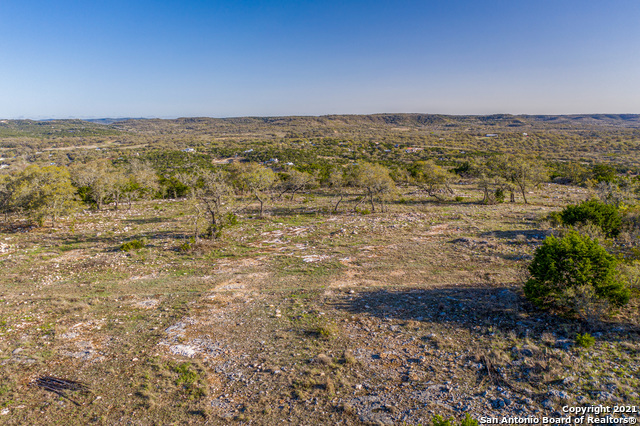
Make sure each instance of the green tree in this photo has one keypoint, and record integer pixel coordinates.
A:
(296, 181)
(375, 180)
(519, 172)
(44, 192)
(433, 179)
(575, 274)
(7, 189)
(485, 177)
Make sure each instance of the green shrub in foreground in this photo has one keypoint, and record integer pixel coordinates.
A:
(604, 215)
(575, 274)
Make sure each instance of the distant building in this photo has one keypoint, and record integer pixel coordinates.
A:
(491, 135)
(188, 150)
(410, 150)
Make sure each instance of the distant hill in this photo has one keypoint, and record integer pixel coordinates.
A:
(110, 120)
(412, 120)
(354, 127)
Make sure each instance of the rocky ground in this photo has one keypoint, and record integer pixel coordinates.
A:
(388, 318)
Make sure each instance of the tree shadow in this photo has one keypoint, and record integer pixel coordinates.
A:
(294, 211)
(115, 241)
(149, 220)
(479, 309)
(527, 235)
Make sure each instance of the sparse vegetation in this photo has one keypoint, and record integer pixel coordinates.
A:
(376, 279)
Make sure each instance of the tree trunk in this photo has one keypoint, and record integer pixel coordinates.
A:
(512, 196)
(261, 204)
(524, 197)
(335, 209)
(214, 225)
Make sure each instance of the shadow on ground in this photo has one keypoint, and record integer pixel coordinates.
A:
(478, 309)
(526, 235)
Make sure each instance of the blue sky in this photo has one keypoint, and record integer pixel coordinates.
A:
(141, 58)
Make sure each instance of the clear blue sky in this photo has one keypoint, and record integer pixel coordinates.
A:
(142, 58)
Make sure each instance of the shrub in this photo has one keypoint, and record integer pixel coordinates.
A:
(133, 245)
(231, 219)
(554, 219)
(499, 195)
(603, 173)
(585, 340)
(576, 274)
(467, 421)
(603, 215)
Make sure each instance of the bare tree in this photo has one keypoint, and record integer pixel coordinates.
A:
(258, 180)
(214, 194)
(297, 181)
(338, 183)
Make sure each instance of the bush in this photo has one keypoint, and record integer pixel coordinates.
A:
(133, 245)
(603, 215)
(231, 219)
(440, 421)
(585, 340)
(575, 274)
(499, 195)
(603, 173)
(554, 219)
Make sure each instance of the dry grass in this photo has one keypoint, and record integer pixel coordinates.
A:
(301, 315)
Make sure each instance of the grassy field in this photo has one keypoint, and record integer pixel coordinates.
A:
(301, 317)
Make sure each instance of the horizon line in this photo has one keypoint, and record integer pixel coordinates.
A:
(177, 117)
